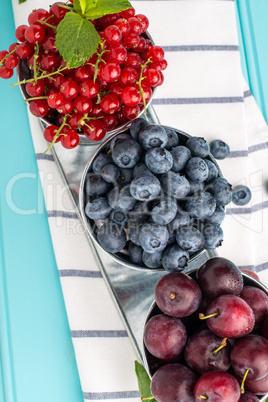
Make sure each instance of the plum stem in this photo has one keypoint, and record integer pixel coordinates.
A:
(172, 296)
(147, 399)
(223, 343)
(202, 397)
(204, 317)
(243, 381)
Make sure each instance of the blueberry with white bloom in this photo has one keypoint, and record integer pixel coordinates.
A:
(133, 234)
(153, 237)
(152, 260)
(182, 218)
(95, 185)
(174, 258)
(117, 139)
(190, 239)
(197, 169)
(153, 136)
(136, 126)
(158, 160)
(173, 139)
(198, 146)
(141, 170)
(100, 161)
(180, 155)
(221, 190)
(112, 237)
(120, 198)
(212, 170)
(241, 195)
(218, 215)
(110, 173)
(174, 184)
(201, 206)
(135, 253)
(126, 175)
(145, 188)
(164, 211)
(119, 217)
(219, 149)
(126, 154)
(97, 208)
(139, 213)
(213, 235)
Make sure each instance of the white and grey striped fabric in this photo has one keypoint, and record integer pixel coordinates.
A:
(204, 94)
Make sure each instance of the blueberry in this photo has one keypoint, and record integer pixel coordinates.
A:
(213, 235)
(174, 258)
(126, 175)
(126, 154)
(180, 156)
(173, 139)
(135, 253)
(196, 187)
(190, 239)
(219, 149)
(221, 190)
(110, 173)
(120, 198)
(139, 213)
(158, 160)
(164, 211)
(174, 184)
(152, 260)
(100, 161)
(117, 139)
(95, 185)
(153, 136)
(198, 146)
(182, 218)
(241, 195)
(145, 188)
(136, 126)
(153, 237)
(133, 234)
(218, 215)
(197, 169)
(111, 237)
(97, 208)
(141, 170)
(118, 216)
(201, 206)
(212, 170)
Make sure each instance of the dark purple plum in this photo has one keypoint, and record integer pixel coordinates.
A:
(259, 387)
(257, 299)
(264, 328)
(217, 386)
(177, 294)
(219, 276)
(229, 316)
(173, 382)
(164, 336)
(205, 351)
(249, 357)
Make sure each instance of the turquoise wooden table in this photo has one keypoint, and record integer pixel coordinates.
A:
(36, 354)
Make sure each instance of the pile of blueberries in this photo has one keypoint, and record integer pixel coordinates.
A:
(156, 197)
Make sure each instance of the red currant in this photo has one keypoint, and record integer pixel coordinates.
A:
(141, 46)
(57, 12)
(116, 89)
(34, 34)
(135, 25)
(89, 89)
(130, 12)
(128, 76)
(75, 121)
(131, 40)
(123, 25)
(50, 132)
(55, 100)
(108, 19)
(95, 130)
(35, 88)
(11, 61)
(38, 15)
(66, 107)
(49, 62)
(133, 60)
(110, 121)
(144, 21)
(117, 54)
(110, 72)
(13, 47)
(69, 89)
(151, 77)
(82, 73)
(6, 73)
(38, 107)
(96, 111)
(147, 93)
(71, 140)
(130, 112)
(48, 44)
(20, 32)
(30, 61)
(82, 105)
(164, 64)
(23, 51)
(131, 96)
(3, 54)
(160, 82)
(110, 103)
(156, 53)
(104, 85)
(112, 35)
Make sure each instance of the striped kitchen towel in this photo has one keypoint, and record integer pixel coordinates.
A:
(204, 94)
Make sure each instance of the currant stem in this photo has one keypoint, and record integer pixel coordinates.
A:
(99, 59)
(4, 58)
(34, 98)
(223, 343)
(139, 83)
(35, 59)
(40, 76)
(58, 133)
(47, 24)
(147, 399)
(204, 317)
(243, 382)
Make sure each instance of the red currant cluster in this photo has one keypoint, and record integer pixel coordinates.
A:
(111, 88)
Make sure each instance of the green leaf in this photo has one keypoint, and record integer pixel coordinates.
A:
(21, 1)
(76, 39)
(104, 7)
(144, 382)
(77, 6)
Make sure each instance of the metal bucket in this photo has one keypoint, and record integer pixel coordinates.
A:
(122, 257)
(153, 310)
